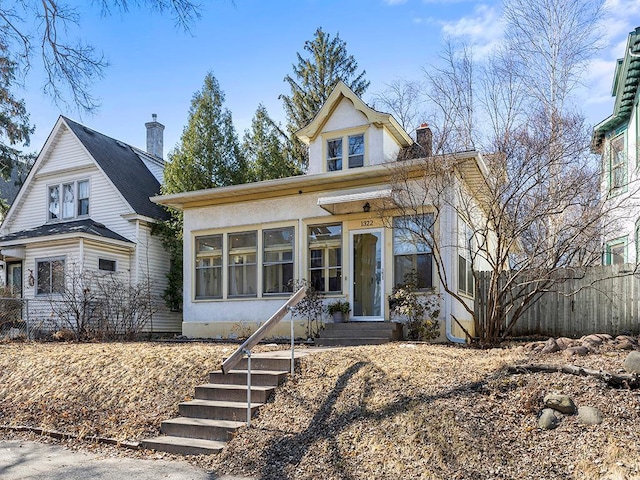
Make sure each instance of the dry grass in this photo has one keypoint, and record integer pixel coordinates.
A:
(396, 411)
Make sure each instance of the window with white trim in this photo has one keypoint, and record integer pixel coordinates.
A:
(615, 252)
(106, 265)
(209, 267)
(243, 267)
(277, 260)
(412, 255)
(466, 281)
(338, 158)
(49, 276)
(617, 164)
(325, 257)
(67, 201)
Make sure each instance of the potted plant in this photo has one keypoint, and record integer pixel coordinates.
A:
(339, 310)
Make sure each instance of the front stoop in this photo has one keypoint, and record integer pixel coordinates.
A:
(358, 333)
(219, 408)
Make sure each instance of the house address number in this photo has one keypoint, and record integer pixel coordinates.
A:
(366, 223)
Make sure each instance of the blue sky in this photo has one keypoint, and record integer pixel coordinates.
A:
(250, 45)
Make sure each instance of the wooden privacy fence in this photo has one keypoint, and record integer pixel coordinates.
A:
(603, 299)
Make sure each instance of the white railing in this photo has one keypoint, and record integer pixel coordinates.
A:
(252, 341)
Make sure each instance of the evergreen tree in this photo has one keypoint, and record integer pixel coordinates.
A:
(207, 156)
(14, 119)
(313, 80)
(266, 151)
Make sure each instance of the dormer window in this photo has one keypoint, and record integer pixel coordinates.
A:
(353, 157)
(68, 200)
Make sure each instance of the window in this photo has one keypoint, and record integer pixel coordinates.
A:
(83, 198)
(243, 249)
(106, 265)
(50, 276)
(277, 260)
(334, 155)
(54, 202)
(617, 163)
(412, 258)
(256, 263)
(354, 155)
(466, 283)
(209, 267)
(356, 151)
(325, 257)
(615, 252)
(68, 200)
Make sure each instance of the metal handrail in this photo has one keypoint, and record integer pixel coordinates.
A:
(264, 329)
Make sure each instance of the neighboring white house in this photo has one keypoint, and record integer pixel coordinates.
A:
(617, 139)
(243, 244)
(85, 204)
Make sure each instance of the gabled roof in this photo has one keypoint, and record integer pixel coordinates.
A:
(124, 167)
(341, 90)
(87, 226)
(625, 88)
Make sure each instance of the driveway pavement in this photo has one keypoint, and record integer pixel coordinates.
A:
(22, 460)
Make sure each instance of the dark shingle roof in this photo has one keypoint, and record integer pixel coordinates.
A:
(78, 226)
(124, 168)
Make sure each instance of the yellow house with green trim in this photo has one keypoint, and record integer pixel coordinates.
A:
(244, 244)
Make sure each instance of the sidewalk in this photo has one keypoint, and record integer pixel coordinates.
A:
(26, 460)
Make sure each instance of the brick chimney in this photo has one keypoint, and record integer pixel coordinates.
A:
(424, 138)
(154, 136)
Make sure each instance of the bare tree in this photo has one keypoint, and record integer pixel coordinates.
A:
(536, 210)
(100, 305)
(43, 29)
(404, 100)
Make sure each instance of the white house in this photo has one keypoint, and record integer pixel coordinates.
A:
(617, 139)
(332, 226)
(85, 204)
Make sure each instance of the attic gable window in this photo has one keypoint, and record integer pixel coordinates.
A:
(351, 157)
(67, 201)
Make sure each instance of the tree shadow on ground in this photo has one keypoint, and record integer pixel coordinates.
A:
(290, 450)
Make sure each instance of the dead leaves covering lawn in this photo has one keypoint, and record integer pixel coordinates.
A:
(384, 412)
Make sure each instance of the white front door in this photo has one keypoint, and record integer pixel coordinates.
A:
(367, 276)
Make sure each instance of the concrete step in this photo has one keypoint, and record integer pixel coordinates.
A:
(363, 325)
(349, 342)
(202, 428)
(183, 446)
(357, 334)
(266, 363)
(262, 378)
(233, 393)
(216, 409)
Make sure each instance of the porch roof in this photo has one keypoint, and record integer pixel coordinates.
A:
(76, 228)
(354, 200)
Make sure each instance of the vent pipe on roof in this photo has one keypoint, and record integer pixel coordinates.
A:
(155, 133)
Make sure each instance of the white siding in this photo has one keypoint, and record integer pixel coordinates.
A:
(151, 261)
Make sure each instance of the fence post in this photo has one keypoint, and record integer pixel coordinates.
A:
(26, 312)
